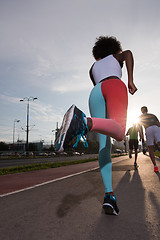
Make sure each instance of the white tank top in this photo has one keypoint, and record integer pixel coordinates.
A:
(106, 67)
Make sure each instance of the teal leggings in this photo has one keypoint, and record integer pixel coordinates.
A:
(97, 106)
(111, 95)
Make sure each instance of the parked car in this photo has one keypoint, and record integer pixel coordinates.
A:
(51, 154)
(76, 153)
(27, 154)
(43, 154)
(118, 151)
(63, 153)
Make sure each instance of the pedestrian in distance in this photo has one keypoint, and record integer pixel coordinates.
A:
(108, 102)
(151, 125)
(133, 142)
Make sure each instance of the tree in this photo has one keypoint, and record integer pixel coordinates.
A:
(4, 146)
(32, 147)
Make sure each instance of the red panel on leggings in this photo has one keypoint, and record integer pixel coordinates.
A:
(115, 94)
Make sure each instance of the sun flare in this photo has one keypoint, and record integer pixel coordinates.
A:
(132, 117)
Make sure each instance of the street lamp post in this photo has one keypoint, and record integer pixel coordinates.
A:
(27, 130)
(56, 131)
(14, 124)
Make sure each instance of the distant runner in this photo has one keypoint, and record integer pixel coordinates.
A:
(152, 130)
(133, 142)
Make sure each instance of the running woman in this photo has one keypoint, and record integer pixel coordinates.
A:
(108, 104)
(152, 130)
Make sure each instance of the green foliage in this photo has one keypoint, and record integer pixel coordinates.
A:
(32, 147)
(157, 154)
(3, 146)
(39, 166)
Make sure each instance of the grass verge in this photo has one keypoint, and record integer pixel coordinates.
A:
(40, 166)
(157, 154)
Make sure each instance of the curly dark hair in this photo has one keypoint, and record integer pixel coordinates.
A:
(105, 46)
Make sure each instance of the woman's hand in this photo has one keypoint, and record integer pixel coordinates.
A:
(132, 88)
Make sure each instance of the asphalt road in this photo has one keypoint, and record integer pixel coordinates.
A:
(26, 161)
(71, 208)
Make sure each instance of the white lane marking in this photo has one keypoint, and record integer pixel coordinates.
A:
(51, 181)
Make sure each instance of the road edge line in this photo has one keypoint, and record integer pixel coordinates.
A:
(54, 180)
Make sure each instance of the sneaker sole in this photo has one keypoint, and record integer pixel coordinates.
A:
(65, 126)
(108, 209)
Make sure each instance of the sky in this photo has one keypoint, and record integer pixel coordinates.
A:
(46, 52)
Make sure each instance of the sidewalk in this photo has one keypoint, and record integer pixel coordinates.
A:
(72, 208)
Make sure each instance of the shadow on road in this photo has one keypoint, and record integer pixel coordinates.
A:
(154, 212)
(158, 174)
(130, 224)
(137, 205)
(71, 200)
